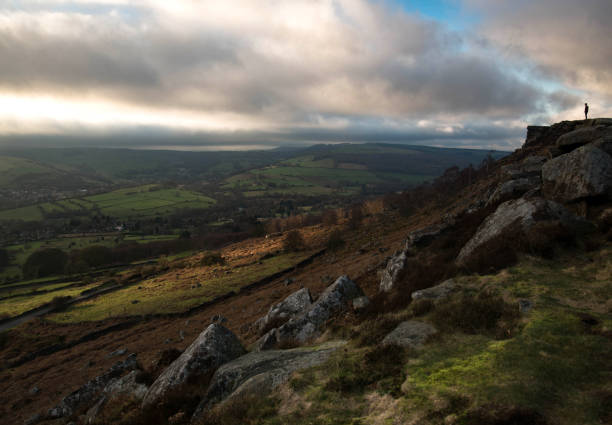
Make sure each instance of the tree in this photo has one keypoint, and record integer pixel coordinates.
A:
(45, 262)
(294, 241)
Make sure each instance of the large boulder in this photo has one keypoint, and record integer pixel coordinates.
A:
(519, 214)
(294, 304)
(513, 189)
(88, 392)
(582, 136)
(215, 346)
(261, 371)
(436, 293)
(528, 168)
(423, 237)
(410, 334)
(307, 325)
(584, 172)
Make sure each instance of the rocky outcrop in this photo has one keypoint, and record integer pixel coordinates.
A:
(523, 213)
(215, 346)
(534, 132)
(410, 334)
(423, 237)
(127, 385)
(391, 274)
(582, 136)
(513, 189)
(88, 392)
(529, 167)
(307, 325)
(584, 172)
(260, 372)
(294, 304)
(437, 292)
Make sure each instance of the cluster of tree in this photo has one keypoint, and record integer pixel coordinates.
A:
(54, 261)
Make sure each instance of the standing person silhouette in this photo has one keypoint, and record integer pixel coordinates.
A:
(586, 110)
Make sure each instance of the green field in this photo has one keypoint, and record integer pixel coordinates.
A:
(134, 202)
(307, 175)
(168, 294)
(17, 305)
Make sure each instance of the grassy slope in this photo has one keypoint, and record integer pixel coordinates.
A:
(557, 364)
(17, 305)
(174, 291)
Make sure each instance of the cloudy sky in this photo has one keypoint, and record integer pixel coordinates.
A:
(440, 72)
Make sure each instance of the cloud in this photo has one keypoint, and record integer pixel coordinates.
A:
(567, 39)
(313, 68)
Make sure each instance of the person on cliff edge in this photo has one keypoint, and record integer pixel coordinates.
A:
(586, 110)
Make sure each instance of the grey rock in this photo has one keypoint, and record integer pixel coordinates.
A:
(582, 136)
(360, 303)
(215, 346)
(513, 189)
(91, 389)
(307, 325)
(268, 341)
(119, 352)
(296, 303)
(437, 292)
(34, 390)
(262, 371)
(523, 213)
(423, 237)
(126, 385)
(93, 411)
(584, 172)
(390, 275)
(416, 239)
(410, 334)
(529, 167)
(288, 281)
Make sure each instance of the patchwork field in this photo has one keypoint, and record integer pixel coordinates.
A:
(133, 202)
(306, 175)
